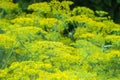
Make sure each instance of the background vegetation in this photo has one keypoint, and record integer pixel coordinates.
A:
(110, 6)
(59, 40)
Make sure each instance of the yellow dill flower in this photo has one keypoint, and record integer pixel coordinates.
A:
(22, 21)
(112, 38)
(3, 73)
(10, 5)
(81, 18)
(26, 33)
(87, 35)
(6, 41)
(79, 31)
(113, 53)
(42, 7)
(49, 22)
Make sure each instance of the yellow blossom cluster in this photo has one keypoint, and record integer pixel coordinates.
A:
(42, 7)
(10, 5)
(6, 41)
(28, 33)
(49, 22)
(51, 41)
(23, 21)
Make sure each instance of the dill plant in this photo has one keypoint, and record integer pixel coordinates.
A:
(54, 42)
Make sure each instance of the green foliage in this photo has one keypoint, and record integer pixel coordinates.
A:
(101, 13)
(53, 36)
(83, 11)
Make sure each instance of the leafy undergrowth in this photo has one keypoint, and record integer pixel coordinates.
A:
(57, 43)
